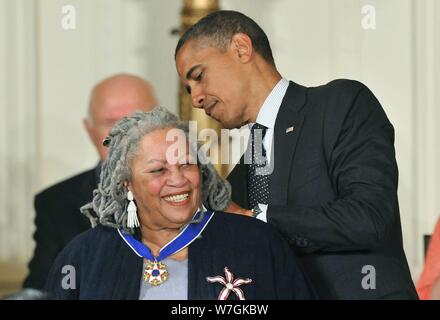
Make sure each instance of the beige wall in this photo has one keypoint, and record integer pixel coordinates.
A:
(18, 135)
(47, 73)
(111, 36)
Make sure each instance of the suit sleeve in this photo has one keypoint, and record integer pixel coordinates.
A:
(63, 278)
(46, 245)
(291, 281)
(363, 173)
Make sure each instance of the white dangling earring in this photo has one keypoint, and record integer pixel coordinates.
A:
(132, 218)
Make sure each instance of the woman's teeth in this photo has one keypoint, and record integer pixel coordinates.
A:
(177, 198)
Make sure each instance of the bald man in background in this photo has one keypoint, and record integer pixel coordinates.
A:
(58, 218)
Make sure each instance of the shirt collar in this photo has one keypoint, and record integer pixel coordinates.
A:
(269, 110)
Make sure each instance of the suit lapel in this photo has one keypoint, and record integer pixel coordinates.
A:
(238, 180)
(287, 131)
(85, 195)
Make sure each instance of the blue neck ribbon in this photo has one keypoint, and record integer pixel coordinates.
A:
(182, 240)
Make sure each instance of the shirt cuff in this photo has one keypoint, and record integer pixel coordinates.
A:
(263, 215)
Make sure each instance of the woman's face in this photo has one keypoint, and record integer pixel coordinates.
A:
(167, 194)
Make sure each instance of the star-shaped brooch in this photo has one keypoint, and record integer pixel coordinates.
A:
(230, 285)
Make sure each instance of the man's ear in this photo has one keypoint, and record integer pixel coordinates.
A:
(242, 45)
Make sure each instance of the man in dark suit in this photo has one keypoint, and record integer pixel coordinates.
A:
(328, 181)
(58, 218)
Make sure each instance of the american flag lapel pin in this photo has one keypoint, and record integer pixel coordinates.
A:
(290, 129)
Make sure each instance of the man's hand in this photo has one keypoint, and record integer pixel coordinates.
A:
(235, 208)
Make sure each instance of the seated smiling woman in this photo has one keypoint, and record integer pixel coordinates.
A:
(159, 232)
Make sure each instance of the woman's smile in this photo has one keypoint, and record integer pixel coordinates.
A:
(180, 199)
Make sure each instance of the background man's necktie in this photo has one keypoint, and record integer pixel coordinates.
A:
(258, 170)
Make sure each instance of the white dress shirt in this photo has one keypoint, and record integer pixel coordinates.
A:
(267, 117)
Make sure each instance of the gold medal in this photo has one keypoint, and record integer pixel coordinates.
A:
(155, 273)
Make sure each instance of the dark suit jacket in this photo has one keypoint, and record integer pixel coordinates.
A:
(106, 268)
(57, 221)
(333, 191)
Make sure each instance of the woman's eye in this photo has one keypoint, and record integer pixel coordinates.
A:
(187, 165)
(157, 170)
(199, 77)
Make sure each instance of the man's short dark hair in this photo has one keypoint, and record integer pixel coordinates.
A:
(219, 27)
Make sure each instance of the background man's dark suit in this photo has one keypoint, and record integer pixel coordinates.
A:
(57, 221)
(58, 217)
(333, 191)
